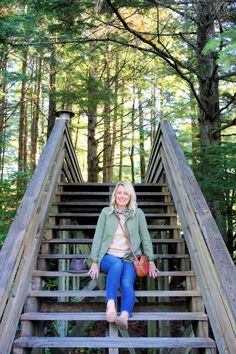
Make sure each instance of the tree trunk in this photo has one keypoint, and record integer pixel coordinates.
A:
(93, 167)
(107, 167)
(115, 115)
(153, 111)
(141, 137)
(121, 129)
(76, 142)
(3, 113)
(52, 92)
(209, 112)
(22, 150)
(132, 138)
(36, 114)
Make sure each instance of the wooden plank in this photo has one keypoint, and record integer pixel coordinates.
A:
(101, 316)
(93, 227)
(44, 273)
(96, 203)
(97, 293)
(74, 164)
(72, 256)
(108, 185)
(89, 241)
(154, 162)
(108, 342)
(98, 194)
(68, 168)
(91, 214)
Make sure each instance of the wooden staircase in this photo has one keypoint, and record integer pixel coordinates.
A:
(169, 312)
(44, 309)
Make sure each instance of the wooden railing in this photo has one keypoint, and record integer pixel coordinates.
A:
(19, 252)
(212, 263)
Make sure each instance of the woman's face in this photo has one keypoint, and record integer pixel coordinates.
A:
(122, 198)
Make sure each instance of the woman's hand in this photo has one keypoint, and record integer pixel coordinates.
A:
(153, 271)
(94, 271)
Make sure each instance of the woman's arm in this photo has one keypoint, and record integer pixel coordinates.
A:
(97, 240)
(96, 245)
(94, 271)
(147, 245)
(153, 271)
(145, 236)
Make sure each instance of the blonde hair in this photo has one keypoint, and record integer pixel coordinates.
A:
(130, 190)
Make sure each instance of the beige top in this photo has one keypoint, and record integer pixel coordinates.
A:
(119, 246)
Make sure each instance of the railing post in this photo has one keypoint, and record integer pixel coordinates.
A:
(65, 114)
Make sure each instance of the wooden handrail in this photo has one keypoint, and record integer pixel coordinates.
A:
(19, 252)
(211, 260)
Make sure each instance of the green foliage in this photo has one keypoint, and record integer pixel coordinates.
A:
(14, 25)
(87, 351)
(225, 46)
(10, 197)
(52, 284)
(221, 162)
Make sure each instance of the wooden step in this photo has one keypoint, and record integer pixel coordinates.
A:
(72, 256)
(90, 240)
(88, 185)
(78, 227)
(102, 204)
(44, 273)
(101, 316)
(95, 215)
(98, 293)
(52, 305)
(98, 194)
(113, 342)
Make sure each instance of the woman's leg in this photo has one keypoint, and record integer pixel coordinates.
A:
(127, 295)
(113, 266)
(127, 287)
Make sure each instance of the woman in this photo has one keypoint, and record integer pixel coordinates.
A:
(111, 254)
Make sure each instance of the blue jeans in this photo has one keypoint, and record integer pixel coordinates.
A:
(120, 275)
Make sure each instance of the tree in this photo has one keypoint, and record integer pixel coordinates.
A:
(93, 96)
(3, 108)
(52, 92)
(199, 70)
(36, 114)
(22, 149)
(120, 80)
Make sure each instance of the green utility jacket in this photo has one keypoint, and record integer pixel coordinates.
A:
(136, 227)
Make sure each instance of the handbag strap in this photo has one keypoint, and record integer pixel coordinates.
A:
(127, 238)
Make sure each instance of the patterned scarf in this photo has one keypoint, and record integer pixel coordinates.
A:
(123, 212)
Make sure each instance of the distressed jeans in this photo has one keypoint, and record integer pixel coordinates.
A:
(120, 275)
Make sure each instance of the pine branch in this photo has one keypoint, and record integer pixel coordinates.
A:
(226, 126)
(164, 54)
(223, 109)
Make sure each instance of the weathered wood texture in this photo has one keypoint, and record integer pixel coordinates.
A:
(119, 342)
(101, 293)
(81, 316)
(212, 263)
(19, 252)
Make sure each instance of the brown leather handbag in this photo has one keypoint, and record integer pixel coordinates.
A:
(140, 262)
